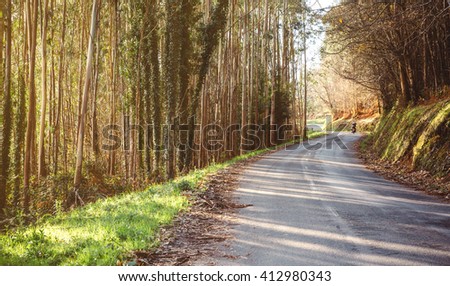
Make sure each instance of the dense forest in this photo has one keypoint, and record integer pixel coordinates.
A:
(379, 55)
(395, 51)
(392, 59)
(101, 97)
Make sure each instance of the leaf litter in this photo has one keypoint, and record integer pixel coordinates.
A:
(199, 232)
(398, 172)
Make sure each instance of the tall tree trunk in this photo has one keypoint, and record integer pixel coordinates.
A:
(265, 58)
(82, 27)
(305, 78)
(32, 16)
(404, 84)
(20, 125)
(57, 128)
(156, 113)
(172, 72)
(273, 101)
(185, 70)
(90, 55)
(230, 146)
(244, 84)
(5, 96)
(94, 121)
(41, 162)
(113, 77)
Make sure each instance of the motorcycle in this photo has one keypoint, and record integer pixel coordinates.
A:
(353, 128)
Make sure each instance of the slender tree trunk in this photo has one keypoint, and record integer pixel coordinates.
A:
(94, 121)
(87, 82)
(113, 74)
(273, 102)
(185, 70)
(305, 78)
(231, 89)
(52, 95)
(404, 84)
(82, 28)
(5, 96)
(20, 125)
(57, 131)
(172, 71)
(265, 59)
(244, 85)
(41, 162)
(32, 16)
(156, 88)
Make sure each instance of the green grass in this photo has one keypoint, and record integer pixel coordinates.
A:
(312, 135)
(99, 234)
(108, 230)
(318, 121)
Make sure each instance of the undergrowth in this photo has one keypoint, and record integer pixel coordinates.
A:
(417, 137)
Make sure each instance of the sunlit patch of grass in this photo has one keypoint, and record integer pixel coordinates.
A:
(310, 135)
(315, 134)
(108, 230)
(318, 121)
(98, 234)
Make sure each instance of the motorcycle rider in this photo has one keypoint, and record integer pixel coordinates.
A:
(354, 127)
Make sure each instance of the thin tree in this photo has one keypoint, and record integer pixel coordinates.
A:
(41, 162)
(5, 137)
(20, 123)
(32, 21)
(171, 73)
(245, 84)
(87, 82)
(305, 76)
(58, 116)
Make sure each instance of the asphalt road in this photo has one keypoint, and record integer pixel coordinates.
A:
(324, 207)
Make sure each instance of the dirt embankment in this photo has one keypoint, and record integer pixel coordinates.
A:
(412, 146)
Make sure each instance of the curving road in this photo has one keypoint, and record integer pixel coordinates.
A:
(323, 207)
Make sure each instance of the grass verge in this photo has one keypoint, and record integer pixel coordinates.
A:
(105, 232)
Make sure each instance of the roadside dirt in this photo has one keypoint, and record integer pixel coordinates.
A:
(199, 232)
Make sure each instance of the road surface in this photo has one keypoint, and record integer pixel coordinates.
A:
(324, 207)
